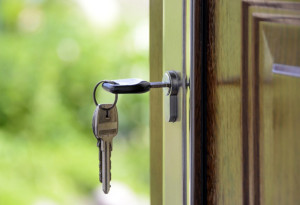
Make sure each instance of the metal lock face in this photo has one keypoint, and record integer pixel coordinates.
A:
(170, 95)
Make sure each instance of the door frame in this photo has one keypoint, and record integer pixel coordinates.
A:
(156, 107)
(168, 163)
(201, 59)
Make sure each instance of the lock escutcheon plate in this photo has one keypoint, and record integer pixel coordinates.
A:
(171, 104)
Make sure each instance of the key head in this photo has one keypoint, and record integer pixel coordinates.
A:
(127, 86)
(105, 122)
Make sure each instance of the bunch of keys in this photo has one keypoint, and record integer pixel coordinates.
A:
(105, 128)
(105, 120)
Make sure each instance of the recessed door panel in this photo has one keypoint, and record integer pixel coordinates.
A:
(279, 112)
(271, 39)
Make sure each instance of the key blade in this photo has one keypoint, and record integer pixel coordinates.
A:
(106, 166)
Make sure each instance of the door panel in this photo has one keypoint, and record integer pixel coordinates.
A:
(279, 114)
(278, 111)
(273, 39)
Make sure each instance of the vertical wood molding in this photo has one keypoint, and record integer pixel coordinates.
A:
(199, 195)
(245, 105)
(211, 106)
(156, 123)
(204, 85)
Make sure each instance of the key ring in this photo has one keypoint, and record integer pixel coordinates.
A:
(94, 94)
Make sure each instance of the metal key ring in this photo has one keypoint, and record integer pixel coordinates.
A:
(94, 94)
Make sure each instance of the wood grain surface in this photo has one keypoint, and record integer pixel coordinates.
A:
(246, 116)
(255, 16)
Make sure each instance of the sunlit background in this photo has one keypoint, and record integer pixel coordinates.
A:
(52, 53)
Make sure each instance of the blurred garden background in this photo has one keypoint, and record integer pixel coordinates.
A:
(52, 53)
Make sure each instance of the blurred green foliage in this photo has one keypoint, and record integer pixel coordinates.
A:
(51, 57)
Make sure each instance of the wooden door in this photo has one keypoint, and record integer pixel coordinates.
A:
(247, 67)
(243, 118)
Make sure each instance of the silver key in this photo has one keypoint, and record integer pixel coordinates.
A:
(106, 128)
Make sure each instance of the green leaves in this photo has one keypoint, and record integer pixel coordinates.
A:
(51, 57)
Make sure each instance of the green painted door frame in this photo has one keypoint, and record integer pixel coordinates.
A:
(168, 143)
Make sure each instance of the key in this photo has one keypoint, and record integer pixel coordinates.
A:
(132, 85)
(105, 128)
(108, 127)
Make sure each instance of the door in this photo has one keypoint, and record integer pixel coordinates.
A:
(238, 140)
(247, 56)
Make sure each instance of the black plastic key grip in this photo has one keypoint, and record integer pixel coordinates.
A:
(127, 86)
(132, 86)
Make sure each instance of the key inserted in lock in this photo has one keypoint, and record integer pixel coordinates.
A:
(171, 84)
(132, 86)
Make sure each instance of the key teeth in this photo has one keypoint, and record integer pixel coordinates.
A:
(110, 169)
(100, 160)
(100, 173)
(110, 147)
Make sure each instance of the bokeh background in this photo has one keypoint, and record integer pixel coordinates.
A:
(52, 53)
